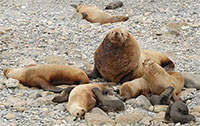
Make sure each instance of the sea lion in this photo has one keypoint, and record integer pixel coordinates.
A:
(82, 99)
(132, 89)
(47, 76)
(178, 112)
(158, 79)
(95, 15)
(106, 103)
(164, 98)
(119, 57)
(114, 5)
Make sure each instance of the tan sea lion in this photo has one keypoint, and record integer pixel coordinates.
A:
(107, 102)
(132, 89)
(95, 15)
(178, 112)
(47, 76)
(119, 58)
(158, 79)
(82, 99)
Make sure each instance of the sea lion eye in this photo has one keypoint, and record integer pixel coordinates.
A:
(122, 34)
(77, 114)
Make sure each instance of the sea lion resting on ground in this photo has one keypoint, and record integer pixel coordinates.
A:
(46, 76)
(164, 98)
(158, 79)
(82, 99)
(133, 88)
(178, 112)
(119, 58)
(95, 15)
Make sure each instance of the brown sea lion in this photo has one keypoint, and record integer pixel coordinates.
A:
(158, 79)
(178, 112)
(164, 98)
(47, 76)
(119, 58)
(82, 99)
(95, 15)
(107, 103)
(132, 89)
(114, 5)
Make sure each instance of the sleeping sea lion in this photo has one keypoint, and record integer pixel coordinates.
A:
(114, 5)
(47, 76)
(95, 15)
(82, 99)
(178, 112)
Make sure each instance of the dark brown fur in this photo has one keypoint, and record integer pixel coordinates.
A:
(119, 58)
(178, 112)
(106, 104)
(47, 76)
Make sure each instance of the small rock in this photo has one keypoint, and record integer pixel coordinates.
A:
(159, 117)
(55, 60)
(10, 116)
(98, 111)
(159, 108)
(129, 118)
(196, 108)
(146, 121)
(21, 109)
(12, 83)
(191, 80)
(84, 26)
(94, 119)
(142, 101)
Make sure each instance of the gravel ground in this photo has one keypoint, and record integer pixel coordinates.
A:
(31, 30)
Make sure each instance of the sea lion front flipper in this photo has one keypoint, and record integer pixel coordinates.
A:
(47, 86)
(167, 113)
(63, 97)
(175, 97)
(94, 74)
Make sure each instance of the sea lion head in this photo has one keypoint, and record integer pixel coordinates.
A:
(78, 112)
(125, 91)
(78, 7)
(118, 36)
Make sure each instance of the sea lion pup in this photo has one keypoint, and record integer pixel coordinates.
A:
(158, 79)
(118, 58)
(95, 15)
(164, 98)
(132, 89)
(114, 5)
(106, 103)
(178, 112)
(47, 76)
(82, 99)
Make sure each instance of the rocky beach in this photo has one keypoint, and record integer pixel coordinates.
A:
(51, 31)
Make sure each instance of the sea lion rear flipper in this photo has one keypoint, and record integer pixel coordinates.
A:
(47, 86)
(63, 97)
(175, 97)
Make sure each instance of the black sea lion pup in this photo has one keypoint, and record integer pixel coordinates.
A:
(107, 104)
(95, 15)
(82, 99)
(114, 5)
(164, 98)
(47, 76)
(178, 112)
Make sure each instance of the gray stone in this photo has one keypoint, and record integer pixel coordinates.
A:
(12, 83)
(191, 80)
(142, 101)
(129, 118)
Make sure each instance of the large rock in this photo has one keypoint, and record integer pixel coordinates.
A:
(142, 101)
(95, 119)
(158, 117)
(159, 108)
(191, 80)
(129, 118)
